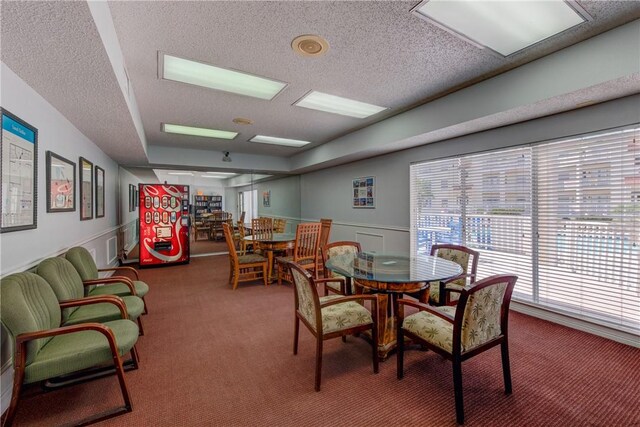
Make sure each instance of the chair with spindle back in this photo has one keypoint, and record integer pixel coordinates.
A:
(325, 231)
(279, 225)
(261, 228)
(305, 250)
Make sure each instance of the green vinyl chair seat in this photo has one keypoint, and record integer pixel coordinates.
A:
(120, 289)
(105, 312)
(64, 354)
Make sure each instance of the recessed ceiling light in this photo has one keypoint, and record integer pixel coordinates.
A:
(338, 105)
(209, 76)
(193, 131)
(278, 141)
(309, 45)
(180, 173)
(505, 27)
(242, 121)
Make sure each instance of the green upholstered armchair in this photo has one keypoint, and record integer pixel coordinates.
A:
(31, 314)
(477, 323)
(330, 316)
(114, 285)
(67, 285)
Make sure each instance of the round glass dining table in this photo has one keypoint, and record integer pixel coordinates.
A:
(391, 275)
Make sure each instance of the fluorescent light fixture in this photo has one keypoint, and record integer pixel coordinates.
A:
(209, 76)
(180, 173)
(505, 27)
(214, 176)
(338, 105)
(220, 173)
(189, 130)
(278, 141)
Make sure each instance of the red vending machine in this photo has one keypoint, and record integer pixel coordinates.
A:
(164, 224)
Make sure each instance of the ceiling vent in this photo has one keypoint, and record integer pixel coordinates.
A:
(242, 121)
(309, 45)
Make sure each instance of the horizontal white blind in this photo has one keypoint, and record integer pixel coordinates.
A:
(589, 226)
(563, 216)
(435, 204)
(497, 191)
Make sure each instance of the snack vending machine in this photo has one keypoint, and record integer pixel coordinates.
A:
(164, 224)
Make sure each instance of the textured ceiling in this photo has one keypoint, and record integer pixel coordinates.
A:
(56, 49)
(379, 53)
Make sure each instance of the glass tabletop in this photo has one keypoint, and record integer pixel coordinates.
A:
(393, 267)
(275, 237)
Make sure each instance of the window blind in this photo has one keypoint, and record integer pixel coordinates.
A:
(564, 216)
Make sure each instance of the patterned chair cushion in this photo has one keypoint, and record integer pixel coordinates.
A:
(343, 315)
(459, 257)
(431, 328)
(251, 258)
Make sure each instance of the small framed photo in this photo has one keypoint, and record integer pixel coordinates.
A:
(99, 192)
(266, 199)
(61, 184)
(364, 192)
(86, 189)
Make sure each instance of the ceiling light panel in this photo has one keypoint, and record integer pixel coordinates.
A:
(278, 141)
(503, 26)
(180, 173)
(193, 131)
(338, 105)
(209, 76)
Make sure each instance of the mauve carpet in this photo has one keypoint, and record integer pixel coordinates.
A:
(213, 356)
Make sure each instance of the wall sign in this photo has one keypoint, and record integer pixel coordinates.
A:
(364, 192)
(86, 189)
(266, 199)
(19, 172)
(99, 192)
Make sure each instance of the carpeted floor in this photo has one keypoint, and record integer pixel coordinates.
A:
(217, 357)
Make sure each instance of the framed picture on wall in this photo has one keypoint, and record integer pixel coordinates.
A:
(61, 184)
(99, 192)
(266, 199)
(19, 172)
(363, 192)
(86, 189)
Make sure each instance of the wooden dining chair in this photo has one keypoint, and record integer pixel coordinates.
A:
(330, 317)
(334, 249)
(325, 231)
(261, 228)
(244, 268)
(279, 225)
(305, 250)
(478, 323)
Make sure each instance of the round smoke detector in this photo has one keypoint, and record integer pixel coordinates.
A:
(309, 45)
(242, 121)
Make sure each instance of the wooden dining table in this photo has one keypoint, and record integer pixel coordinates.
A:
(272, 243)
(390, 275)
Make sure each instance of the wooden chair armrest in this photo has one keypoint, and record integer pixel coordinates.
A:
(133, 270)
(109, 299)
(93, 326)
(424, 307)
(113, 279)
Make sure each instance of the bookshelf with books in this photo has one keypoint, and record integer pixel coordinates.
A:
(205, 205)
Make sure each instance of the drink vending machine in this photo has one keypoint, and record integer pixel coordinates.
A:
(164, 224)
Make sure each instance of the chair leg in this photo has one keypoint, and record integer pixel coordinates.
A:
(135, 357)
(374, 346)
(231, 270)
(506, 368)
(18, 378)
(318, 360)
(279, 272)
(296, 331)
(141, 332)
(123, 384)
(145, 306)
(400, 350)
(236, 276)
(265, 279)
(457, 389)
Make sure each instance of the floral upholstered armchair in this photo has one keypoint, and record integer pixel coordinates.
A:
(478, 323)
(448, 291)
